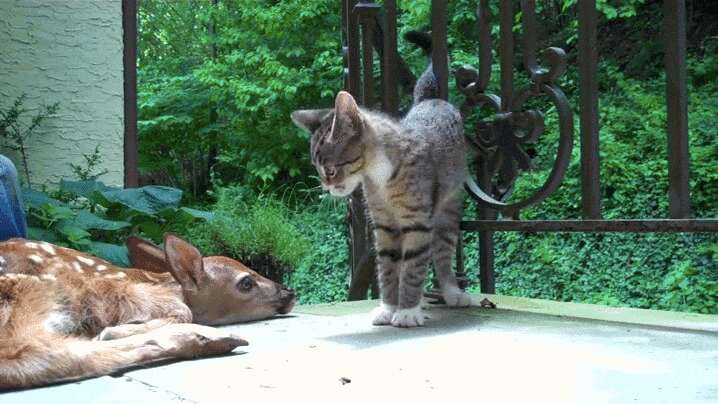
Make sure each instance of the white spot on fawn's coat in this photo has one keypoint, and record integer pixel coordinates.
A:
(30, 244)
(101, 267)
(86, 261)
(77, 266)
(48, 248)
(35, 258)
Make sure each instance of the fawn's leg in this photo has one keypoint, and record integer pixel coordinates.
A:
(47, 359)
(174, 311)
(129, 329)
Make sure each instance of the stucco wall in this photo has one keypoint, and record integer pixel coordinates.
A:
(66, 51)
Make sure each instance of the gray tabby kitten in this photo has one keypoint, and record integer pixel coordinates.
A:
(412, 172)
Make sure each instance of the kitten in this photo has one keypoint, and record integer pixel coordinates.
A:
(412, 172)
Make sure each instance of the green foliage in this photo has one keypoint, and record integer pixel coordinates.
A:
(92, 217)
(16, 129)
(251, 229)
(88, 170)
(687, 290)
(323, 274)
(232, 81)
(636, 270)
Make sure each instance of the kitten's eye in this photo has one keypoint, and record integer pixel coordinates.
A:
(245, 284)
(330, 172)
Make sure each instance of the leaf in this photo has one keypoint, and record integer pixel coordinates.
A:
(116, 254)
(198, 214)
(74, 234)
(151, 229)
(36, 233)
(88, 221)
(150, 199)
(58, 212)
(35, 199)
(84, 188)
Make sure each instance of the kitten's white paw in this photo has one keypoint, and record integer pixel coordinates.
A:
(382, 315)
(456, 297)
(406, 318)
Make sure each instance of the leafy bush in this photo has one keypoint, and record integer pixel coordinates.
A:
(92, 217)
(253, 229)
(323, 274)
(89, 170)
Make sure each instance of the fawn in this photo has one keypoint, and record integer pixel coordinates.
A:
(65, 315)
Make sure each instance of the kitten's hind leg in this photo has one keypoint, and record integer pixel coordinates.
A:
(445, 235)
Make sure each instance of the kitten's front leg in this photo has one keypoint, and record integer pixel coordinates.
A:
(416, 246)
(388, 248)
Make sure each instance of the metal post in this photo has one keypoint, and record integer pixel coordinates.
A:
(677, 108)
(439, 54)
(588, 81)
(390, 55)
(129, 61)
(354, 63)
(507, 53)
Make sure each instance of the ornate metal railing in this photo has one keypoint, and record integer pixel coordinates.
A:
(501, 141)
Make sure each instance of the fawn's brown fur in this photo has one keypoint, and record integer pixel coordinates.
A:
(66, 315)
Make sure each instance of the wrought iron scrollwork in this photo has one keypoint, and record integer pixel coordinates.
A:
(502, 142)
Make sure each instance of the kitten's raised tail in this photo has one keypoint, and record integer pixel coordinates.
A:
(420, 39)
(426, 87)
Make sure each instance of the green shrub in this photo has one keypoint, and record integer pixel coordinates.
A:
(323, 274)
(253, 229)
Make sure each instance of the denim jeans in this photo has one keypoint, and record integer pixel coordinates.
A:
(12, 216)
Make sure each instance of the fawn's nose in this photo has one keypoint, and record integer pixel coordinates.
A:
(287, 300)
(287, 292)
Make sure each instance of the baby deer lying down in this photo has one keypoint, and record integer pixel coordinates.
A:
(66, 315)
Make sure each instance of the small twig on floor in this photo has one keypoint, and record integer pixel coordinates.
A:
(488, 304)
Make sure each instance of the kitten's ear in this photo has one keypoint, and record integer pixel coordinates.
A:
(348, 118)
(309, 119)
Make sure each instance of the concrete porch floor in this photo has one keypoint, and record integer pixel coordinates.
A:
(525, 351)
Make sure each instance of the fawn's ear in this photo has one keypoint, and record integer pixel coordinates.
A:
(146, 256)
(185, 263)
(309, 119)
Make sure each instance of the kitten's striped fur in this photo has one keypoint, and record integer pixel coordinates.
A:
(412, 172)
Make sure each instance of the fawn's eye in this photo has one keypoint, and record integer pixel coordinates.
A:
(245, 284)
